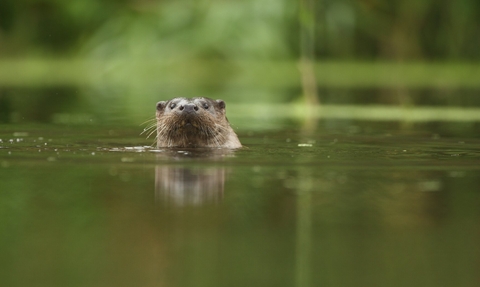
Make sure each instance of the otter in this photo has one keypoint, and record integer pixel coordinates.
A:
(194, 123)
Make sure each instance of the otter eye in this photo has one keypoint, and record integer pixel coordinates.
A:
(172, 106)
(205, 105)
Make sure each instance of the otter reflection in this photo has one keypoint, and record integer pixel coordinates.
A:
(192, 185)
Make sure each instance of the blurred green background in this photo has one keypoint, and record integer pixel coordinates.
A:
(79, 60)
(384, 192)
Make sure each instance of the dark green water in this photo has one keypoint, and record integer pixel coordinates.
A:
(333, 204)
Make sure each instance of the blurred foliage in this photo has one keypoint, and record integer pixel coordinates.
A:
(136, 52)
(364, 29)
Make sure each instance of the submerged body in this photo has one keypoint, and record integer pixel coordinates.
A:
(195, 122)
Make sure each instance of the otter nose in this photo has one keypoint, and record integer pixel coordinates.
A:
(189, 108)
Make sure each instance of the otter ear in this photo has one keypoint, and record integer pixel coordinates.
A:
(161, 105)
(221, 104)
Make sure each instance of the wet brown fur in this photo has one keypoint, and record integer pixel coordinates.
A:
(206, 126)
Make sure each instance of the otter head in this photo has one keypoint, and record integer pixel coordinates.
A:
(195, 122)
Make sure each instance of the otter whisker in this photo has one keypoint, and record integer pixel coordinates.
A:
(151, 133)
(148, 129)
(148, 121)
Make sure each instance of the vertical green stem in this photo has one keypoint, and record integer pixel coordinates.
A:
(307, 51)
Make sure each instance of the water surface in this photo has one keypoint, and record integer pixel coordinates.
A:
(324, 203)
